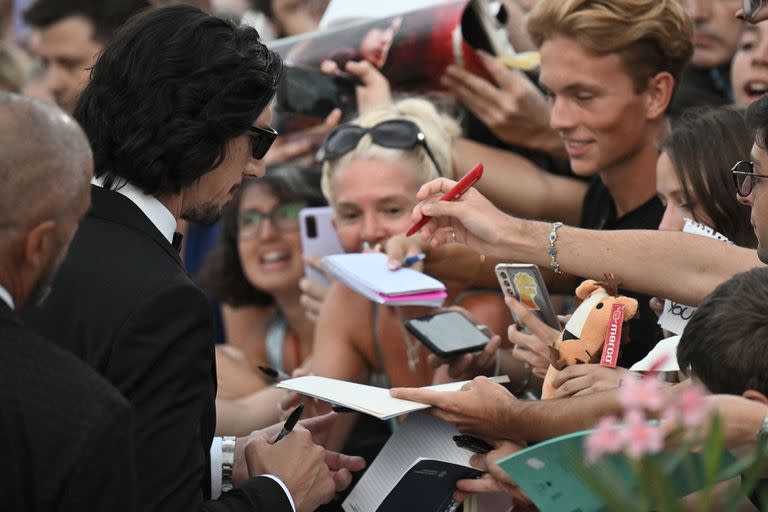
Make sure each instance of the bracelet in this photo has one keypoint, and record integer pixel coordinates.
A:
(552, 251)
(227, 462)
(526, 378)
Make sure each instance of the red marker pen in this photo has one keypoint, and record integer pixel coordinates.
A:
(456, 192)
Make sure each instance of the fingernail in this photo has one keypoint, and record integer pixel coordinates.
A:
(427, 208)
(393, 265)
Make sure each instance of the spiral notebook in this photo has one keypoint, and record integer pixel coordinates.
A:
(368, 275)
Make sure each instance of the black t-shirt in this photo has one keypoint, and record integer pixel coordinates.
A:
(599, 212)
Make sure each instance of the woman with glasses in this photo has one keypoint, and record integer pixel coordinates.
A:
(258, 262)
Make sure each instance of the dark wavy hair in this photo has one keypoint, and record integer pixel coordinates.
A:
(168, 93)
(222, 273)
(703, 146)
(107, 16)
(725, 342)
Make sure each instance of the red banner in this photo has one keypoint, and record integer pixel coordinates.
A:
(612, 342)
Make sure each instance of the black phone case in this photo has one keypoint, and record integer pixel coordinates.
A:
(434, 348)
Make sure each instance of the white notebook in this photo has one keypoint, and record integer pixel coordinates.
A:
(367, 274)
(370, 400)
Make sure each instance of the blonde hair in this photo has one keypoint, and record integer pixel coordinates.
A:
(15, 68)
(650, 36)
(438, 129)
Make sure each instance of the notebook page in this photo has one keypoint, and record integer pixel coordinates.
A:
(370, 270)
(370, 400)
(420, 436)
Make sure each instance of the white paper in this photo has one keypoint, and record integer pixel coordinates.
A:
(370, 400)
(420, 436)
(666, 348)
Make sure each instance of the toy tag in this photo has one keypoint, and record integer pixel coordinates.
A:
(612, 341)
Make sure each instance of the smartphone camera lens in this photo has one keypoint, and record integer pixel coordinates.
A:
(311, 226)
(503, 275)
(506, 283)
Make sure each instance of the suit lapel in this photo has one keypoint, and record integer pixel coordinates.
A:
(115, 207)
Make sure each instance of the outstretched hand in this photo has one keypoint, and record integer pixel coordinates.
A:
(472, 219)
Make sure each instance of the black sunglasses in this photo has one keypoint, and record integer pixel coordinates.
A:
(396, 134)
(751, 7)
(261, 140)
(744, 176)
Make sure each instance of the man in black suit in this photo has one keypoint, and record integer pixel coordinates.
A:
(176, 112)
(67, 433)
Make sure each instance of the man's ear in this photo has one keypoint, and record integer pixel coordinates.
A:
(39, 243)
(757, 396)
(658, 94)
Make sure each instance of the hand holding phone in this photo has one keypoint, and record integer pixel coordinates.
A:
(309, 92)
(447, 334)
(525, 283)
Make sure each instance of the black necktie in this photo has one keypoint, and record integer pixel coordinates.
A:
(176, 243)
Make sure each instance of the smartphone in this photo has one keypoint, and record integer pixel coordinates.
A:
(308, 92)
(447, 334)
(318, 239)
(484, 25)
(523, 281)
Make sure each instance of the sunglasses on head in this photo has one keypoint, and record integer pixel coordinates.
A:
(750, 8)
(261, 140)
(744, 176)
(396, 134)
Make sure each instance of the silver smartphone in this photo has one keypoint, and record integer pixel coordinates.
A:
(524, 282)
(318, 239)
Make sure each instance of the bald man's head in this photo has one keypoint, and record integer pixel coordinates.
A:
(45, 160)
(45, 171)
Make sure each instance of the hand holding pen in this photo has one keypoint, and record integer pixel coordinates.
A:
(290, 423)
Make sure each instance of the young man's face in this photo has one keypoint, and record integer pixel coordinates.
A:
(68, 51)
(758, 201)
(716, 30)
(601, 119)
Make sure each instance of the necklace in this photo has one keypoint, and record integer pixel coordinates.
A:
(412, 347)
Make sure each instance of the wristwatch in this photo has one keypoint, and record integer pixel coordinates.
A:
(227, 462)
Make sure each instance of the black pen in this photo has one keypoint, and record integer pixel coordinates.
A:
(291, 422)
(275, 375)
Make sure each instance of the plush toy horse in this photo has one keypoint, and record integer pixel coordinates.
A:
(582, 339)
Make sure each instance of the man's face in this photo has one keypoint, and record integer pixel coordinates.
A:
(758, 201)
(716, 31)
(68, 52)
(594, 106)
(205, 199)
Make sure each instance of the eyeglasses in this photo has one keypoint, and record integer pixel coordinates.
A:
(751, 7)
(261, 140)
(284, 217)
(396, 134)
(744, 176)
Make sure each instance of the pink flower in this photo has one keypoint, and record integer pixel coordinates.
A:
(641, 394)
(693, 406)
(606, 438)
(641, 437)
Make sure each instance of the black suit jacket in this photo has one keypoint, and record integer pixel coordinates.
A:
(67, 437)
(123, 302)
